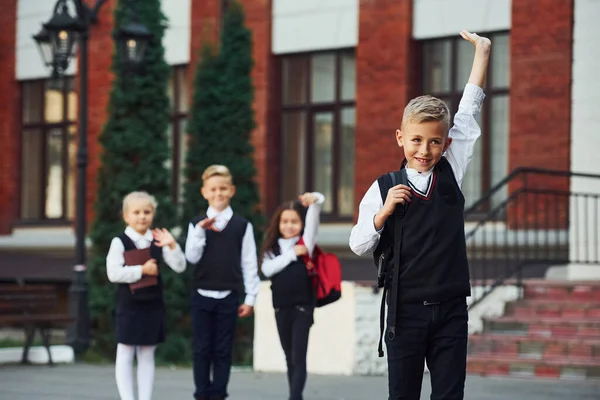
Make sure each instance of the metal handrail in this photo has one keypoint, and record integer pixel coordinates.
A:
(511, 261)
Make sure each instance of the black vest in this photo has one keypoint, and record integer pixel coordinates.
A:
(292, 286)
(220, 267)
(433, 261)
(148, 294)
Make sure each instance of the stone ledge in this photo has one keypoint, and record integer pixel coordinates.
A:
(38, 354)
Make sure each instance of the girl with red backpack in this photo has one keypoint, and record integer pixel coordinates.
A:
(289, 239)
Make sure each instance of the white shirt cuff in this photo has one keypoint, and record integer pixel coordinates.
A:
(250, 300)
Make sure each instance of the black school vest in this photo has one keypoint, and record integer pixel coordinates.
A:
(433, 262)
(149, 294)
(220, 267)
(292, 286)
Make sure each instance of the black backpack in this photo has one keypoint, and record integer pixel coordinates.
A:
(387, 257)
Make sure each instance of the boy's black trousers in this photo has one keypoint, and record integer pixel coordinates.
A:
(213, 327)
(433, 332)
(293, 325)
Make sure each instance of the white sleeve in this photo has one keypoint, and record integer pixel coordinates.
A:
(274, 265)
(465, 131)
(312, 220)
(194, 244)
(174, 258)
(115, 269)
(363, 237)
(250, 266)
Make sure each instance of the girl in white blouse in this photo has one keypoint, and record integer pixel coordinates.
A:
(289, 239)
(140, 312)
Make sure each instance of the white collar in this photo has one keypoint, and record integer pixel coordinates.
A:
(226, 214)
(290, 240)
(413, 173)
(135, 236)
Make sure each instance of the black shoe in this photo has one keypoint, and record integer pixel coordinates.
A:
(217, 398)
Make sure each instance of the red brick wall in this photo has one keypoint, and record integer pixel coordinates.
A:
(100, 50)
(259, 21)
(205, 21)
(540, 100)
(383, 80)
(10, 136)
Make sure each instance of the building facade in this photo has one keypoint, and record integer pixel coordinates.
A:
(331, 80)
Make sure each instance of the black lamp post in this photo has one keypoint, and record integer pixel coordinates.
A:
(57, 42)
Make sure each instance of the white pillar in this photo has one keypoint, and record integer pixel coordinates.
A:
(585, 140)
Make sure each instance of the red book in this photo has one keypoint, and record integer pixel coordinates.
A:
(139, 257)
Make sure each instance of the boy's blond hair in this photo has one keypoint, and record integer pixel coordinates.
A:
(217, 170)
(426, 109)
(139, 196)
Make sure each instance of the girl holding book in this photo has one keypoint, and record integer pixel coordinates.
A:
(133, 262)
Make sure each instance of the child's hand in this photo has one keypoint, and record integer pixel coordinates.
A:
(399, 194)
(208, 224)
(480, 43)
(307, 199)
(150, 267)
(245, 310)
(163, 238)
(300, 250)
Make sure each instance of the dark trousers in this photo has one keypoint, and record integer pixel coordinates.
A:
(213, 327)
(293, 325)
(436, 333)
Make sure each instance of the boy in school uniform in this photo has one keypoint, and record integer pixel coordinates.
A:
(433, 276)
(222, 249)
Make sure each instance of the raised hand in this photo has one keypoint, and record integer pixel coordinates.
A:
(163, 238)
(483, 47)
(477, 41)
(307, 199)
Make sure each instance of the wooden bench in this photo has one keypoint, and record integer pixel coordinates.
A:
(31, 307)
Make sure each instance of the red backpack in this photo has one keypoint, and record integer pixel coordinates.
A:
(326, 271)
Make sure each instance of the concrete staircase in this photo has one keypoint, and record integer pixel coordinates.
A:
(552, 332)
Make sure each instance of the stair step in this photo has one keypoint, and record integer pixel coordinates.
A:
(543, 326)
(562, 290)
(561, 283)
(511, 365)
(531, 347)
(558, 308)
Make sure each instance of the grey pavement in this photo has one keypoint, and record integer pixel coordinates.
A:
(91, 382)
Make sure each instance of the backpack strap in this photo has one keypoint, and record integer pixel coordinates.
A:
(386, 182)
(398, 176)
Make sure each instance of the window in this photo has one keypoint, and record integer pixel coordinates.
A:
(176, 134)
(317, 128)
(49, 112)
(446, 68)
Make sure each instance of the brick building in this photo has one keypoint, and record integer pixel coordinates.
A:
(331, 79)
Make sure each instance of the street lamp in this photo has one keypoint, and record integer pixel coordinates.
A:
(57, 42)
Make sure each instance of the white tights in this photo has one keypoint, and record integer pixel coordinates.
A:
(145, 371)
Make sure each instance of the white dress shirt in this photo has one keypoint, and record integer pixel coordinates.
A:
(115, 259)
(194, 248)
(465, 132)
(272, 265)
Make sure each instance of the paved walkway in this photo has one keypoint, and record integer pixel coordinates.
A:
(87, 382)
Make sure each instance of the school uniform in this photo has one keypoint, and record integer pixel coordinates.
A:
(139, 317)
(294, 298)
(431, 312)
(224, 263)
